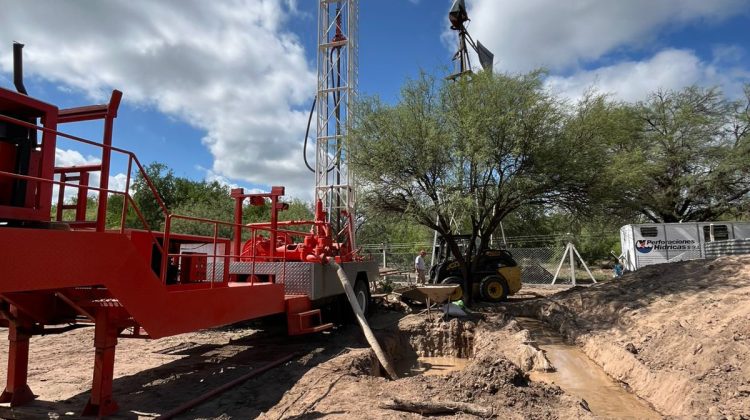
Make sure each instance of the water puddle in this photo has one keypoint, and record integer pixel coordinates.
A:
(578, 375)
(430, 366)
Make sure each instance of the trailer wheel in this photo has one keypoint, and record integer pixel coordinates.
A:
(493, 289)
(458, 294)
(362, 292)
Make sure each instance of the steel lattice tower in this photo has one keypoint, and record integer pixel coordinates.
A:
(337, 87)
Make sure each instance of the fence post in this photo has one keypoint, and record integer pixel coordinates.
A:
(384, 262)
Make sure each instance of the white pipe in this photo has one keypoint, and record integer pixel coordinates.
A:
(584, 264)
(572, 264)
(557, 273)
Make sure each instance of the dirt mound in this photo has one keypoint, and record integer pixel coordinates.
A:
(349, 386)
(678, 334)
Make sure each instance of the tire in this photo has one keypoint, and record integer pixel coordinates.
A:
(459, 293)
(362, 293)
(493, 289)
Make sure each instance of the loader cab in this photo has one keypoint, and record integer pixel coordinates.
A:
(495, 275)
(489, 260)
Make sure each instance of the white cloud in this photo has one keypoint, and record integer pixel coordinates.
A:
(229, 68)
(70, 157)
(211, 176)
(669, 69)
(117, 182)
(526, 34)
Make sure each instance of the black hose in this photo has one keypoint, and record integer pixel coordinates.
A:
(307, 133)
(336, 99)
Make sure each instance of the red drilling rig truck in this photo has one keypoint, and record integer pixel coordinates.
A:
(58, 274)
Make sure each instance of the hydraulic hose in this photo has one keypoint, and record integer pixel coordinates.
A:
(307, 133)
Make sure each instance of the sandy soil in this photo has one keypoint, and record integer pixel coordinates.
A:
(348, 387)
(675, 335)
(678, 335)
(155, 376)
(334, 374)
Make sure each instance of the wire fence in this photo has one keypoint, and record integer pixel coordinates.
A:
(539, 256)
(538, 263)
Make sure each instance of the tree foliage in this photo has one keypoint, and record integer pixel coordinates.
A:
(459, 157)
(688, 158)
(186, 197)
(468, 153)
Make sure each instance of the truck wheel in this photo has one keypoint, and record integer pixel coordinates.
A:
(459, 293)
(493, 289)
(362, 293)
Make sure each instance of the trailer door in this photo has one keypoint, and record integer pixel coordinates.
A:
(681, 242)
(713, 232)
(741, 230)
(627, 247)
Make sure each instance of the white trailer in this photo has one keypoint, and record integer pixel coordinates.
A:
(656, 243)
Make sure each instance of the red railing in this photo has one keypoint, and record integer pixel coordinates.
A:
(227, 256)
(128, 201)
(127, 196)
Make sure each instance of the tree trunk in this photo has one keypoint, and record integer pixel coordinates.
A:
(438, 407)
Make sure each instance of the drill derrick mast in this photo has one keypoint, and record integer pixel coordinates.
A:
(336, 92)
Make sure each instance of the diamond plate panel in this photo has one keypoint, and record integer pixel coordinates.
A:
(297, 277)
(215, 272)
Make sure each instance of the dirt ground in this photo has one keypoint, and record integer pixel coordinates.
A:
(349, 387)
(672, 337)
(678, 335)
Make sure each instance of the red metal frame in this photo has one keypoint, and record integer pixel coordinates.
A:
(81, 174)
(90, 274)
(17, 391)
(38, 195)
(101, 402)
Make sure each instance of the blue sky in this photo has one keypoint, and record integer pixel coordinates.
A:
(220, 90)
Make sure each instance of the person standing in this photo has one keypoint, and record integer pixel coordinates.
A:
(618, 269)
(420, 267)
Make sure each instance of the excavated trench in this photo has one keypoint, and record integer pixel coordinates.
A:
(439, 348)
(579, 376)
(495, 367)
(427, 348)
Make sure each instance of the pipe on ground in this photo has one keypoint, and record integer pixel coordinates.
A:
(227, 386)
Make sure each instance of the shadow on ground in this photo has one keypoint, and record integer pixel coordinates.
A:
(203, 368)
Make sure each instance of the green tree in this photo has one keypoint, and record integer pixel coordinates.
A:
(203, 200)
(465, 154)
(162, 179)
(689, 160)
(380, 228)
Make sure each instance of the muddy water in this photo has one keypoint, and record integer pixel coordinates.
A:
(578, 375)
(429, 366)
